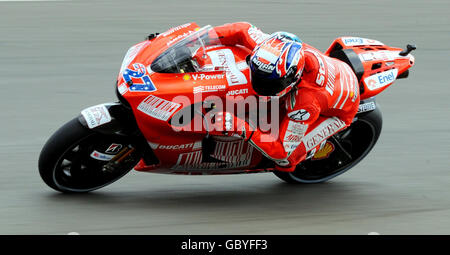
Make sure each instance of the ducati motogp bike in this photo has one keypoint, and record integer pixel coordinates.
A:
(108, 140)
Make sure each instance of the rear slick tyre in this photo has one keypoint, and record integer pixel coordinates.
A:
(67, 164)
(360, 137)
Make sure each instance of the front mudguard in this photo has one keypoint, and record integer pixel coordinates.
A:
(109, 118)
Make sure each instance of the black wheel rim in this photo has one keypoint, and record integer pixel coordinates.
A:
(76, 170)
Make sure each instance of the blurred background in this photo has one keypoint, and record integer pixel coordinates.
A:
(59, 57)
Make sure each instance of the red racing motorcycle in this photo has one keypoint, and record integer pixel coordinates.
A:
(139, 131)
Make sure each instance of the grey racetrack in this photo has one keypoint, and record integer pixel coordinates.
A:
(59, 57)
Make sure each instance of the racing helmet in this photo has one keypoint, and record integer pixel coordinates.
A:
(276, 64)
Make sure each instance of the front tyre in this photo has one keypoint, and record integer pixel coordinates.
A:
(354, 143)
(76, 159)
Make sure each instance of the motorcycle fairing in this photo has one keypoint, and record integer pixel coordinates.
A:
(376, 65)
(219, 70)
(179, 152)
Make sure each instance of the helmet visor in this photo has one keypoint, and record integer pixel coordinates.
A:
(271, 87)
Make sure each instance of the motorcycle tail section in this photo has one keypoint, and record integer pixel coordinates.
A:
(375, 64)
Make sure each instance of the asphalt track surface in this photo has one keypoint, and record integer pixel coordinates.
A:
(57, 58)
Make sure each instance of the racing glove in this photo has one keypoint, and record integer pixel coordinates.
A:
(227, 124)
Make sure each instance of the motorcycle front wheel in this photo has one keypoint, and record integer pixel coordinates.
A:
(76, 159)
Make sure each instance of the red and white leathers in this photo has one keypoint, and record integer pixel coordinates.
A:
(323, 103)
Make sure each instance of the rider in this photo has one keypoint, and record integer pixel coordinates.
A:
(321, 93)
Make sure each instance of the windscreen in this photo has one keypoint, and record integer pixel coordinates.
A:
(179, 57)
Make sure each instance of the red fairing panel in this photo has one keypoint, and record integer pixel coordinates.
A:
(226, 72)
(382, 64)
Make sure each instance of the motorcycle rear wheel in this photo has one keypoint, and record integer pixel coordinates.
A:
(68, 162)
(358, 140)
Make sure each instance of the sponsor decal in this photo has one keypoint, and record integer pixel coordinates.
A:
(300, 115)
(176, 146)
(237, 92)
(325, 152)
(356, 41)
(257, 35)
(203, 76)
(271, 49)
(101, 156)
(138, 77)
(325, 129)
(233, 154)
(325, 66)
(320, 79)
(385, 55)
(268, 68)
(96, 115)
(242, 65)
(114, 148)
(122, 88)
(158, 108)
(293, 136)
(331, 76)
(367, 107)
(179, 37)
(380, 80)
(210, 88)
(351, 41)
(186, 77)
(225, 58)
(174, 29)
(211, 68)
(193, 146)
(291, 146)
